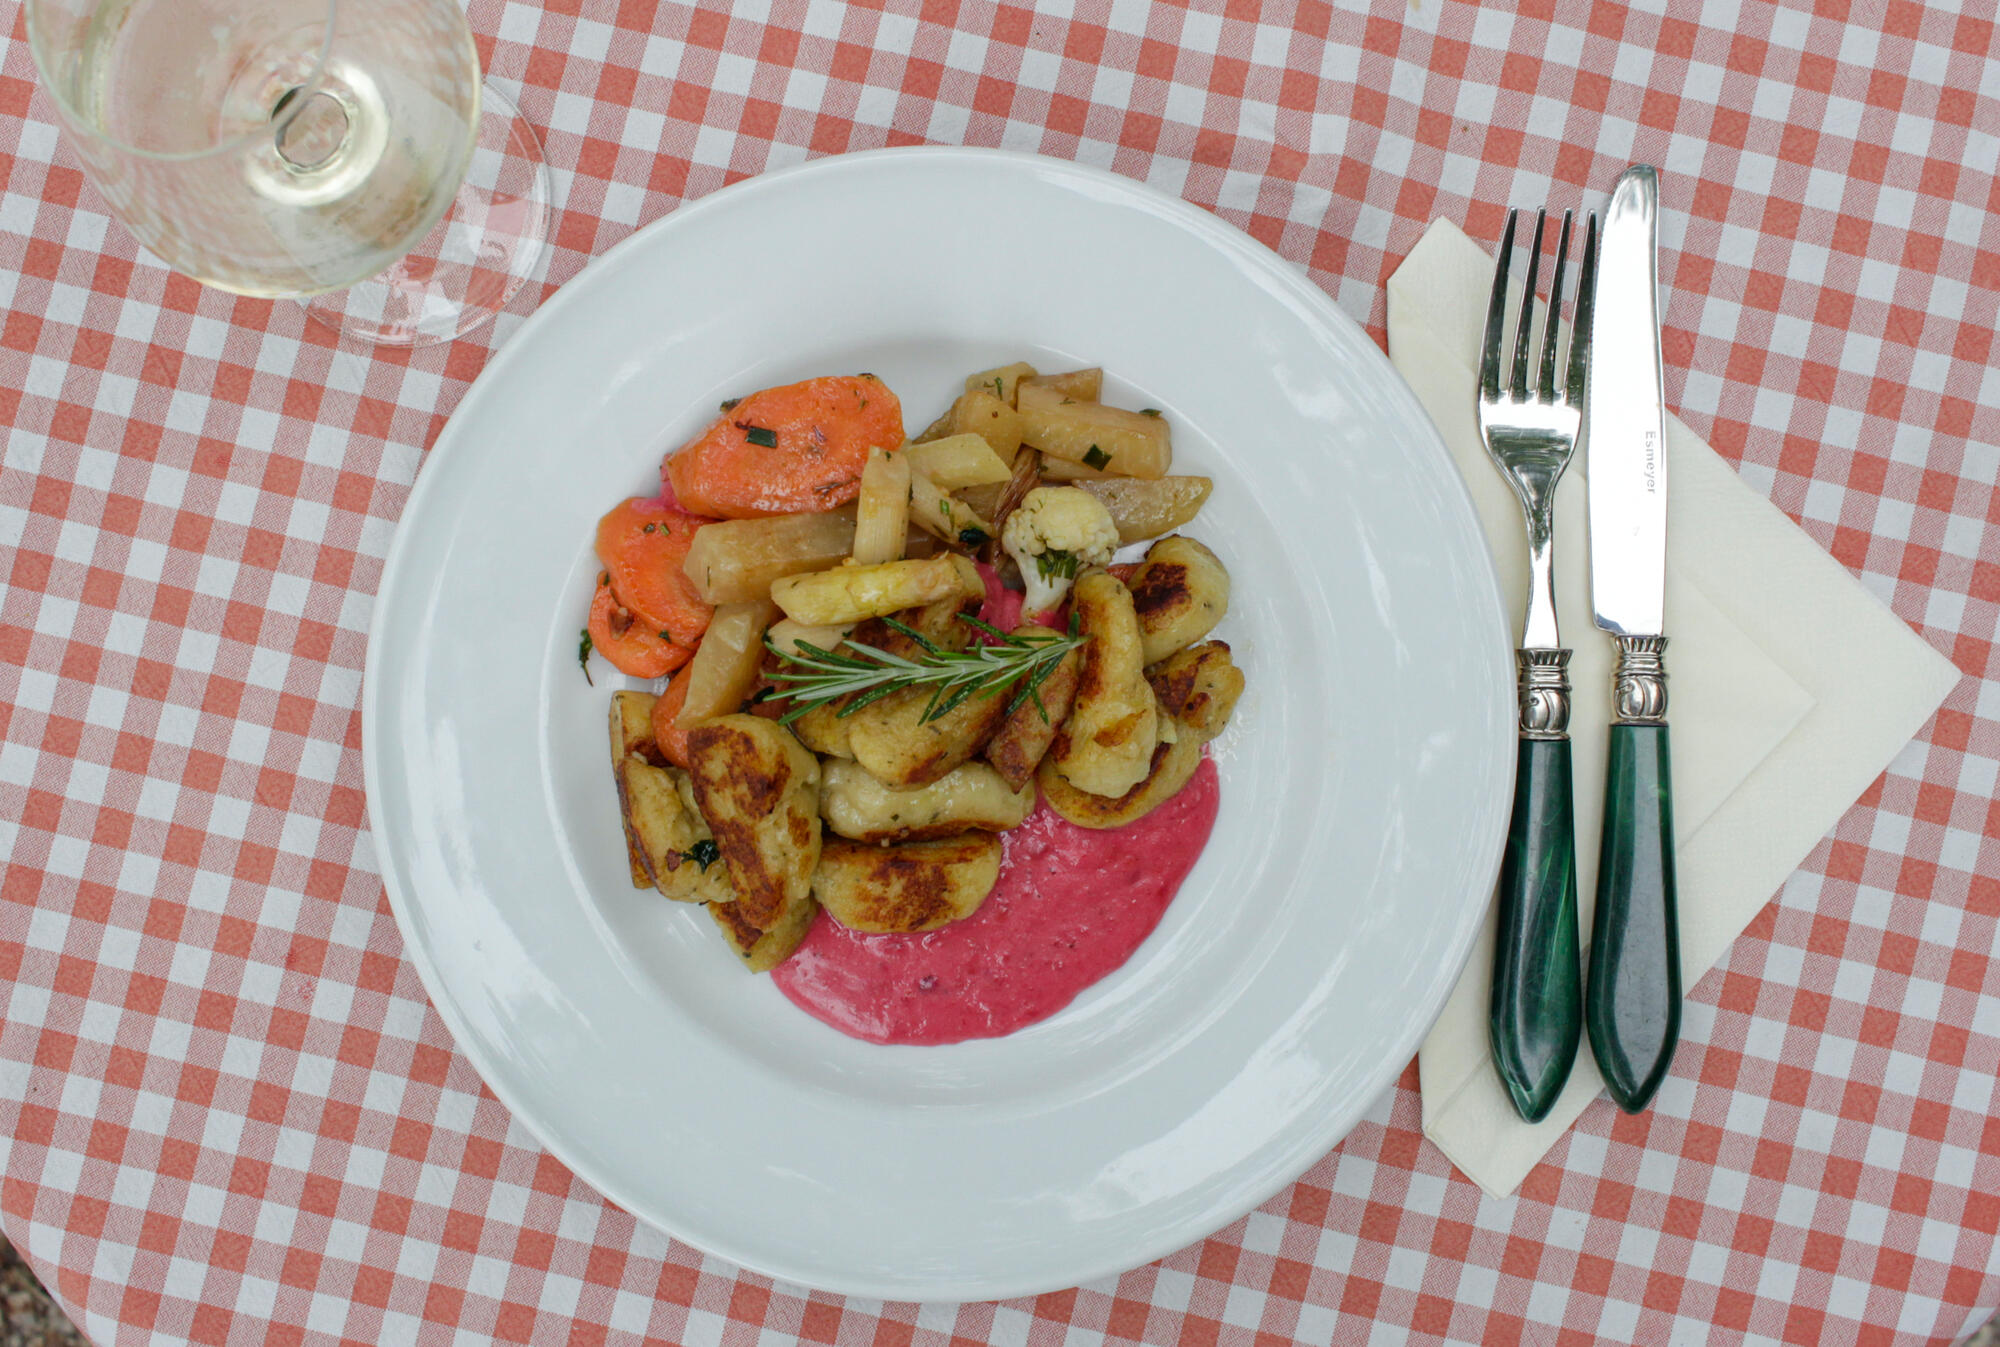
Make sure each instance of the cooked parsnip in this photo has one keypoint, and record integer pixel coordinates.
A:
(918, 886)
(856, 805)
(1000, 381)
(669, 833)
(1108, 439)
(1106, 746)
(882, 512)
(787, 634)
(1023, 738)
(1078, 385)
(991, 418)
(737, 559)
(763, 950)
(957, 461)
(892, 739)
(1197, 689)
(851, 593)
(1180, 592)
(724, 668)
(1145, 509)
(938, 514)
(758, 789)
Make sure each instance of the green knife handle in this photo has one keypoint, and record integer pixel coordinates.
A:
(1633, 1005)
(1536, 1018)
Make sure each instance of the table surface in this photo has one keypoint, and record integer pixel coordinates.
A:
(231, 1115)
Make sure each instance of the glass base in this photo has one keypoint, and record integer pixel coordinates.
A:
(468, 268)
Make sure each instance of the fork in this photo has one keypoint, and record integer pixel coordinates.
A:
(1536, 1017)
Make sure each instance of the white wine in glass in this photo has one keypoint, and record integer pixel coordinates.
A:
(305, 148)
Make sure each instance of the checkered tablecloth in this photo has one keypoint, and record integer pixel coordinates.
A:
(228, 1113)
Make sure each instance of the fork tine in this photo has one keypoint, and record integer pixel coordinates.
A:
(1545, 387)
(1496, 318)
(1524, 335)
(1586, 301)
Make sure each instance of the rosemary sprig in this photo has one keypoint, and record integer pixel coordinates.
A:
(867, 673)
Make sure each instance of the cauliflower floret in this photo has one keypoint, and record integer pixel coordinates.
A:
(1055, 532)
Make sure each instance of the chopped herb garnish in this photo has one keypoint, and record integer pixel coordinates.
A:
(1149, 411)
(1096, 458)
(972, 537)
(730, 404)
(999, 388)
(704, 853)
(761, 437)
(583, 656)
(1056, 565)
(648, 529)
(666, 636)
(944, 508)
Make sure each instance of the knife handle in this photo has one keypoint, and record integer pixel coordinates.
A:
(1536, 1018)
(1633, 1004)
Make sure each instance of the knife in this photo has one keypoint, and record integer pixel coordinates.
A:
(1632, 1002)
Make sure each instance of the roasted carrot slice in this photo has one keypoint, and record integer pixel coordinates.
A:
(669, 738)
(642, 544)
(790, 450)
(633, 645)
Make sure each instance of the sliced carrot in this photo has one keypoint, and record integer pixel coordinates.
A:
(791, 450)
(642, 544)
(670, 738)
(633, 645)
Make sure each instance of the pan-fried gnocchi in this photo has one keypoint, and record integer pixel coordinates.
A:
(826, 747)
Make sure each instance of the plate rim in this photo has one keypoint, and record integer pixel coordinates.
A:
(1211, 229)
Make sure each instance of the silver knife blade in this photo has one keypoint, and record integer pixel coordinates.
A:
(1627, 450)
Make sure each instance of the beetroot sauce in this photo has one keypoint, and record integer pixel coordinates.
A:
(1071, 905)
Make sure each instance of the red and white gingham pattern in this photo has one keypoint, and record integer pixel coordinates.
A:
(230, 1114)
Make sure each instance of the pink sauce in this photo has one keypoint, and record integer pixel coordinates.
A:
(1071, 905)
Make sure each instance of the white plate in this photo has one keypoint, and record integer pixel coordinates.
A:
(1365, 783)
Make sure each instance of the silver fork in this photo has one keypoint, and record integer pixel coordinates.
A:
(1537, 1007)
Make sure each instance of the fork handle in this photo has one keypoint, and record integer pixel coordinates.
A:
(1536, 1018)
(1633, 1006)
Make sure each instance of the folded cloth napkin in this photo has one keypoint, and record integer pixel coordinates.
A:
(1790, 688)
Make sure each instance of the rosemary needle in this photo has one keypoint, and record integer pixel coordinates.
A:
(865, 673)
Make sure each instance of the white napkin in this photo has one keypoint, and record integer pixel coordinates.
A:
(1790, 688)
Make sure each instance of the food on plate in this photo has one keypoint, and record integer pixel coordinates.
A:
(1024, 737)
(1145, 509)
(763, 949)
(787, 450)
(758, 790)
(633, 645)
(1055, 532)
(1103, 439)
(848, 592)
(1196, 690)
(725, 668)
(912, 886)
(1179, 593)
(882, 511)
(959, 461)
(739, 559)
(1106, 746)
(857, 804)
(914, 685)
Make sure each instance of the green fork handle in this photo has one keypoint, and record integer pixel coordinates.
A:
(1536, 1017)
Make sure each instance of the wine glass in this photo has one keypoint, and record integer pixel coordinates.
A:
(340, 152)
